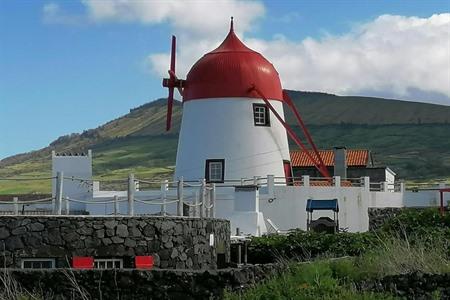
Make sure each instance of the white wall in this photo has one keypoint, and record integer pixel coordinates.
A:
(288, 209)
(223, 128)
(76, 166)
(386, 199)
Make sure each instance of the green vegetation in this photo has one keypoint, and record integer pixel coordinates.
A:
(317, 280)
(415, 241)
(411, 138)
(325, 109)
(424, 225)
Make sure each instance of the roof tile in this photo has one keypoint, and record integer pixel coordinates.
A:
(355, 158)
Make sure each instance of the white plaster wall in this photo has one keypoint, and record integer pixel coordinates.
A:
(223, 128)
(422, 198)
(76, 166)
(288, 210)
(390, 178)
(386, 199)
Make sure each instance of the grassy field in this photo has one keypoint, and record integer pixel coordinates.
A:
(147, 158)
(411, 138)
(417, 153)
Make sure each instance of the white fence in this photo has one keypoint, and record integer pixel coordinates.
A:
(200, 204)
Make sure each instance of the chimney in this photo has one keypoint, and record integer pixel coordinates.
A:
(340, 162)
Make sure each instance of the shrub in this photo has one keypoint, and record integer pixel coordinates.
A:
(303, 245)
(424, 226)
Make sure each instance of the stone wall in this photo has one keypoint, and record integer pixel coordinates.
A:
(378, 216)
(175, 242)
(138, 284)
(412, 286)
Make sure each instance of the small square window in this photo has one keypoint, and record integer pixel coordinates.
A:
(215, 170)
(38, 263)
(261, 115)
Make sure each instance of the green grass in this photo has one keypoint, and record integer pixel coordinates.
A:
(326, 278)
(411, 138)
(418, 153)
(309, 281)
(146, 158)
(414, 241)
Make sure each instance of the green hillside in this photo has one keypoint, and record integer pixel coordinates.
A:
(412, 138)
(325, 109)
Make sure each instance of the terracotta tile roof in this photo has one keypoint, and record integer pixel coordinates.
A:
(355, 158)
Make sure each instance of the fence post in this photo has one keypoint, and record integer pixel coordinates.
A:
(212, 198)
(116, 205)
(59, 192)
(366, 185)
(180, 197)
(384, 186)
(337, 181)
(164, 186)
(256, 180)
(242, 181)
(305, 179)
(270, 184)
(67, 207)
(196, 203)
(16, 205)
(131, 189)
(202, 198)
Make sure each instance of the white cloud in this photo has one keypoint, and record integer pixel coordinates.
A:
(393, 56)
(53, 14)
(203, 18)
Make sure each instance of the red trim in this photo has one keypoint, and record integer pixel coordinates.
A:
(288, 100)
(441, 208)
(144, 262)
(319, 165)
(82, 262)
(288, 172)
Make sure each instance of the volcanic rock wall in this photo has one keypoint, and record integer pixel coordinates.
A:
(175, 242)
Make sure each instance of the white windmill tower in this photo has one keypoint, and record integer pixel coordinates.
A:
(233, 119)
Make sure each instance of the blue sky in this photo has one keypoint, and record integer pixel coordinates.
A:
(68, 66)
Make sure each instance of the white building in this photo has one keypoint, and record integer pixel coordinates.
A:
(227, 130)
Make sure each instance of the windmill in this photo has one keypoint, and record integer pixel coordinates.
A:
(171, 83)
(229, 96)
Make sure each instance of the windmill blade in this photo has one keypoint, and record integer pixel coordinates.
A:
(172, 55)
(172, 79)
(169, 109)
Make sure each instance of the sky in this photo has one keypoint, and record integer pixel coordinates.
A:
(68, 66)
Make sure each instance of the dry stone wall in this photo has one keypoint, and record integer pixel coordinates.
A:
(138, 284)
(378, 216)
(175, 242)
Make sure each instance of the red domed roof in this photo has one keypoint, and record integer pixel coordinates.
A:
(230, 71)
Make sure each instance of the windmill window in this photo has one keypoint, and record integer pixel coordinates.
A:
(215, 170)
(261, 115)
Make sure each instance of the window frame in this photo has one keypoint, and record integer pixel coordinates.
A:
(256, 121)
(106, 260)
(207, 170)
(37, 259)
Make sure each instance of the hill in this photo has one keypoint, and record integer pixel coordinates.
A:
(412, 138)
(326, 109)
